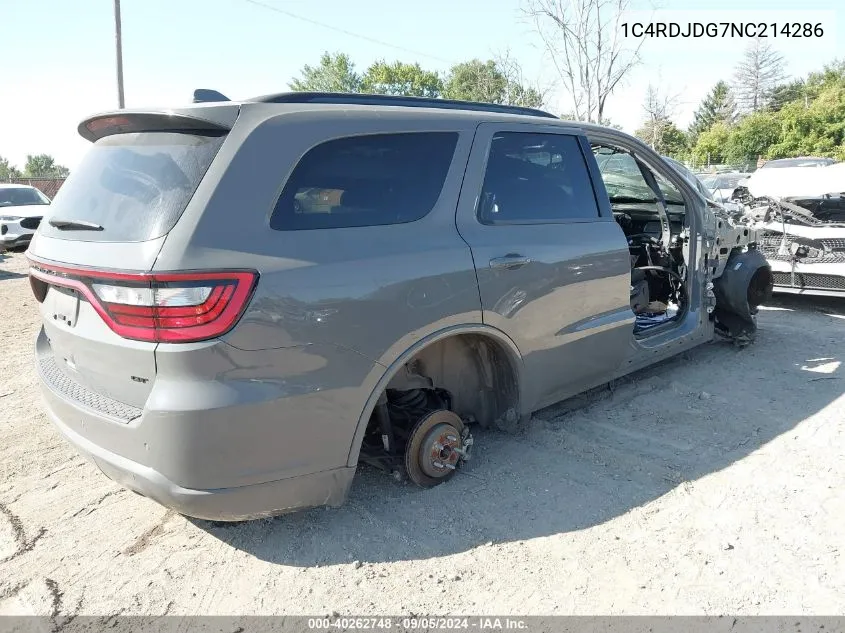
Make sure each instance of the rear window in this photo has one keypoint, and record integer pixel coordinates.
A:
(21, 196)
(366, 181)
(133, 185)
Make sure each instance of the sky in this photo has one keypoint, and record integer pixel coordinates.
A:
(59, 55)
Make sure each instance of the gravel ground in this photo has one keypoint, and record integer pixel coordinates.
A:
(710, 484)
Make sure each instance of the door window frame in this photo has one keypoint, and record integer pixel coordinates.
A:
(480, 156)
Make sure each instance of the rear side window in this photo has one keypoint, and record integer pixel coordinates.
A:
(366, 181)
(135, 186)
(536, 178)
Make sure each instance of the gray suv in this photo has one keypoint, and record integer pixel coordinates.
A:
(243, 301)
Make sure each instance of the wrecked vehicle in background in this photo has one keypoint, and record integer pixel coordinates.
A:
(723, 186)
(800, 214)
(802, 161)
(726, 203)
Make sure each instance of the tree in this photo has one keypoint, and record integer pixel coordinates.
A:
(833, 74)
(658, 129)
(475, 81)
(795, 90)
(518, 92)
(7, 171)
(752, 137)
(717, 107)
(335, 73)
(490, 82)
(403, 79)
(805, 91)
(710, 145)
(671, 141)
(43, 166)
(759, 71)
(817, 129)
(805, 117)
(583, 39)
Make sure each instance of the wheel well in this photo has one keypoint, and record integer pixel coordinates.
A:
(479, 373)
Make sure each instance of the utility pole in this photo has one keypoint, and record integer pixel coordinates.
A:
(119, 49)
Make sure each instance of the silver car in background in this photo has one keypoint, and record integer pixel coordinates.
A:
(724, 186)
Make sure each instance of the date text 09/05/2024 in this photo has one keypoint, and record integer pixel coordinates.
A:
(722, 29)
(415, 624)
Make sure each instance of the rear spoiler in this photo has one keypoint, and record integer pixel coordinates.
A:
(124, 121)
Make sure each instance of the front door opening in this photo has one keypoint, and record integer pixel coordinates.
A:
(652, 214)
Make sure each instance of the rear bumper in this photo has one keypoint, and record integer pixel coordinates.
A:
(249, 459)
(222, 504)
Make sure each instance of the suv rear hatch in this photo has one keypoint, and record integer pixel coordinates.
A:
(103, 311)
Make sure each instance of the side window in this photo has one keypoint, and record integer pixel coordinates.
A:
(536, 178)
(624, 181)
(366, 181)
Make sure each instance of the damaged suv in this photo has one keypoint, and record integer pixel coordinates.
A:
(242, 301)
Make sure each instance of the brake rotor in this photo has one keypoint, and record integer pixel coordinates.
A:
(435, 448)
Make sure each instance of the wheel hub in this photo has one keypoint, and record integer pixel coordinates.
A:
(439, 452)
(436, 447)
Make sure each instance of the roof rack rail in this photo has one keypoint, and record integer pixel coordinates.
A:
(393, 100)
(204, 95)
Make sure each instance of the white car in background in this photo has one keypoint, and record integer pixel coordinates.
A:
(801, 161)
(722, 186)
(21, 210)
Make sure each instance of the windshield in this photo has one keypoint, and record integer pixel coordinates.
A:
(21, 196)
(135, 186)
(624, 181)
(723, 181)
(688, 175)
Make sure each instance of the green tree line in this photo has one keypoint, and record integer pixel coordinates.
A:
(739, 123)
(803, 118)
(37, 166)
(497, 80)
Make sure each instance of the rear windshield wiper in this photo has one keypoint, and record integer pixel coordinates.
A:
(80, 225)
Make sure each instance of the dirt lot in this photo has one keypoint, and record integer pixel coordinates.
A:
(710, 484)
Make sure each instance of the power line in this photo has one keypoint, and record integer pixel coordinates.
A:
(344, 31)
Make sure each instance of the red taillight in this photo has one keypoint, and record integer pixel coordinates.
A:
(158, 307)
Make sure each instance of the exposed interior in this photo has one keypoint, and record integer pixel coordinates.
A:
(652, 214)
